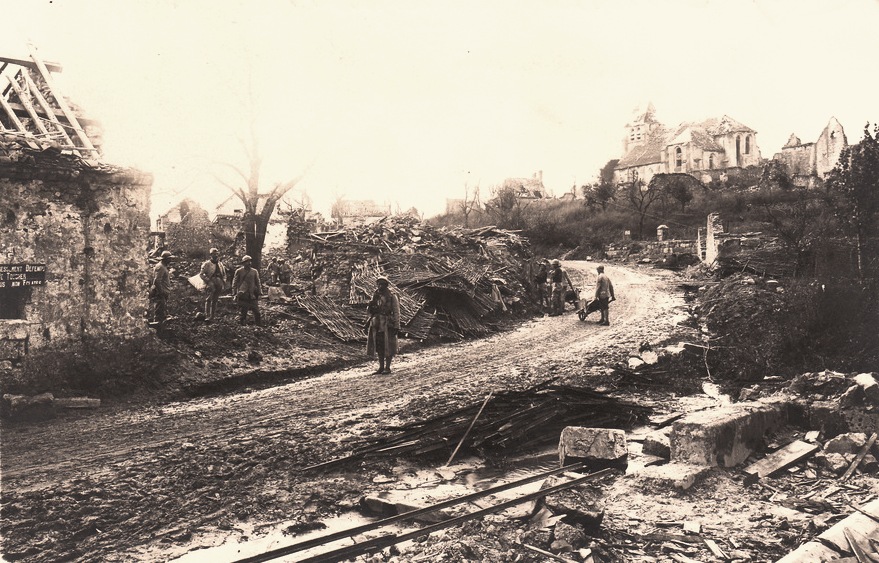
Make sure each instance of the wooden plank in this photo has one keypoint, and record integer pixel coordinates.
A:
(26, 136)
(59, 99)
(715, 549)
(786, 456)
(547, 554)
(54, 67)
(859, 458)
(853, 543)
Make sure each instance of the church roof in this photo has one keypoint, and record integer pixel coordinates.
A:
(647, 153)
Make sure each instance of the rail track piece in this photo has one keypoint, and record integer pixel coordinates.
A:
(391, 539)
(323, 540)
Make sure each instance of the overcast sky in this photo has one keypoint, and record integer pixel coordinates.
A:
(407, 101)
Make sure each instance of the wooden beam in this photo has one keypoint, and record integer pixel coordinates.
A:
(32, 87)
(28, 138)
(59, 99)
(29, 108)
(21, 111)
(54, 67)
(860, 457)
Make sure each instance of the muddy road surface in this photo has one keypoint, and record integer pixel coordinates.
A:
(152, 483)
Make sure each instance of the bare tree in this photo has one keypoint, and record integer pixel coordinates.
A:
(642, 197)
(258, 206)
(469, 203)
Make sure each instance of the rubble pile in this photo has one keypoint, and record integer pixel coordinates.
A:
(755, 253)
(452, 283)
(509, 420)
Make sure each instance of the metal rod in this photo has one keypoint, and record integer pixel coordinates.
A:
(469, 428)
(306, 544)
(392, 539)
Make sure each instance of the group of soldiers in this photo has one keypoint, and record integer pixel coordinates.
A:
(552, 286)
(246, 287)
(382, 327)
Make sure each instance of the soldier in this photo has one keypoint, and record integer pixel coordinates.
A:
(274, 271)
(213, 274)
(160, 288)
(247, 290)
(558, 278)
(384, 324)
(604, 295)
(286, 272)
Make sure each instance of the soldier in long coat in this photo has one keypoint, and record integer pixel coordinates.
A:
(384, 324)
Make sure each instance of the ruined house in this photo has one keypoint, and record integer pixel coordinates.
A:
(527, 188)
(695, 148)
(809, 163)
(72, 230)
(351, 213)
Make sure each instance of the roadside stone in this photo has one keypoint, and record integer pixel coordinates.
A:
(580, 505)
(850, 443)
(869, 464)
(658, 443)
(834, 462)
(599, 447)
(853, 396)
(567, 538)
(726, 436)
(867, 382)
(672, 475)
(28, 407)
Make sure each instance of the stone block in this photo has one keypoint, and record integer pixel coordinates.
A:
(727, 435)
(567, 538)
(600, 447)
(28, 408)
(854, 521)
(867, 382)
(658, 443)
(811, 552)
(276, 294)
(581, 505)
(850, 443)
(672, 475)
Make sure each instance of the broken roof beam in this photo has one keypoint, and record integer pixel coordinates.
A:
(28, 106)
(17, 124)
(59, 99)
(53, 67)
(32, 88)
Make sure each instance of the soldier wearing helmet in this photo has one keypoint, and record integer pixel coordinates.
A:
(558, 281)
(383, 325)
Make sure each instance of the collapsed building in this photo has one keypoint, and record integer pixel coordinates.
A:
(808, 163)
(451, 282)
(71, 228)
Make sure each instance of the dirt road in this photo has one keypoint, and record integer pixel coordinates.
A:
(108, 486)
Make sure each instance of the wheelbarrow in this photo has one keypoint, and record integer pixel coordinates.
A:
(587, 307)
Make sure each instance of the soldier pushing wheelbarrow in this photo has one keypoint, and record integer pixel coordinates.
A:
(600, 301)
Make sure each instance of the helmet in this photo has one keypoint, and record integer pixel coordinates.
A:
(556, 263)
(382, 279)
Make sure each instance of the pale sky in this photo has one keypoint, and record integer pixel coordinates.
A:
(408, 101)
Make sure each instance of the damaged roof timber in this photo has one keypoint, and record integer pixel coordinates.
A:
(39, 117)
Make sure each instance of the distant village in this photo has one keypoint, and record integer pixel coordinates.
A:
(712, 151)
(77, 225)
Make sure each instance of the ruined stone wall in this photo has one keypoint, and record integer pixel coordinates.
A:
(714, 228)
(798, 159)
(331, 267)
(654, 250)
(90, 229)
